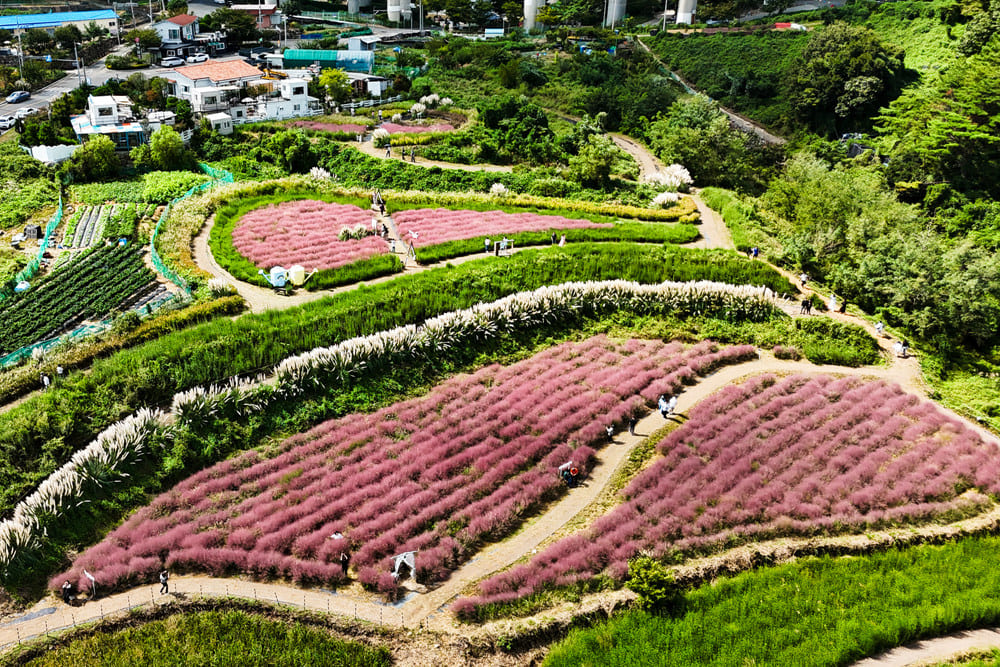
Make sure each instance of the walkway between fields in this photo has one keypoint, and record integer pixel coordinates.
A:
(422, 608)
(937, 650)
(402, 154)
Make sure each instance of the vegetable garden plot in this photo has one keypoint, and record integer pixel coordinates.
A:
(305, 232)
(439, 474)
(87, 287)
(800, 456)
(426, 227)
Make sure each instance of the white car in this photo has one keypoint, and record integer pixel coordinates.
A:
(25, 112)
(197, 58)
(171, 61)
(6, 122)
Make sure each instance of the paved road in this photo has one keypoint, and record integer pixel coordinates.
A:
(95, 72)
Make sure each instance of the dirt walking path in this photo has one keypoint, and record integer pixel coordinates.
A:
(369, 148)
(424, 607)
(937, 650)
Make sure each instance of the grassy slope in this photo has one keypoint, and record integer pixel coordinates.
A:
(215, 638)
(820, 611)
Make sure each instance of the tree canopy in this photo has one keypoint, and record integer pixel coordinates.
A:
(844, 74)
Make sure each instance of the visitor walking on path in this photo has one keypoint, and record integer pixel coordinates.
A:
(67, 591)
(345, 561)
(164, 589)
(879, 328)
(610, 430)
(487, 244)
(632, 421)
(806, 306)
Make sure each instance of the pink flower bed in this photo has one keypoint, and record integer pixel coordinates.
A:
(304, 232)
(330, 127)
(396, 128)
(437, 225)
(794, 457)
(438, 474)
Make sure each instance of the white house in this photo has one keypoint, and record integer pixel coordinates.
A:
(178, 29)
(220, 122)
(210, 86)
(112, 116)
(287, 98)
(368, 84)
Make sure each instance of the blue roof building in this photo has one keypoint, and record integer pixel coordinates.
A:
(104, 18)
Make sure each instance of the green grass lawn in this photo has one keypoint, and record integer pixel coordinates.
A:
(819, 611)
(215, 638)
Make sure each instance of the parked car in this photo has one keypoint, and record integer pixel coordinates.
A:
(197, 58)
(6, 122)
(25, 112)
(171, 61)
(18, 96)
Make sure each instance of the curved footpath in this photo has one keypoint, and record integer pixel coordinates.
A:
(422, 606)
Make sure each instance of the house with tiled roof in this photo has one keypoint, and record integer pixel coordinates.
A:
(212, 85)
(236, 88)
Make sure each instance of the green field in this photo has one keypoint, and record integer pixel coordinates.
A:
(214, 638)
(820, 611)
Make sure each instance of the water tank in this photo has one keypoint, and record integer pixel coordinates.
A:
(297, 274)
(406, 9)
(393, 10)
(353, 6)
(686, 10)
(616, 12)
(530, 11)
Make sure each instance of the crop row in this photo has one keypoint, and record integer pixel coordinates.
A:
(438, 474)
(123, 220)
(800, 456)
(90, 286)
(91, 226)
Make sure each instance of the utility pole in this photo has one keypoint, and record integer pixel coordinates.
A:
(664, 28)
(20, 49)
(79, 74)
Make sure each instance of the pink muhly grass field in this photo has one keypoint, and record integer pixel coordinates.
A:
(330, 127)
(396, 128)
(440, 474)
(800, 456)
(304, 232)
(437, 225)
